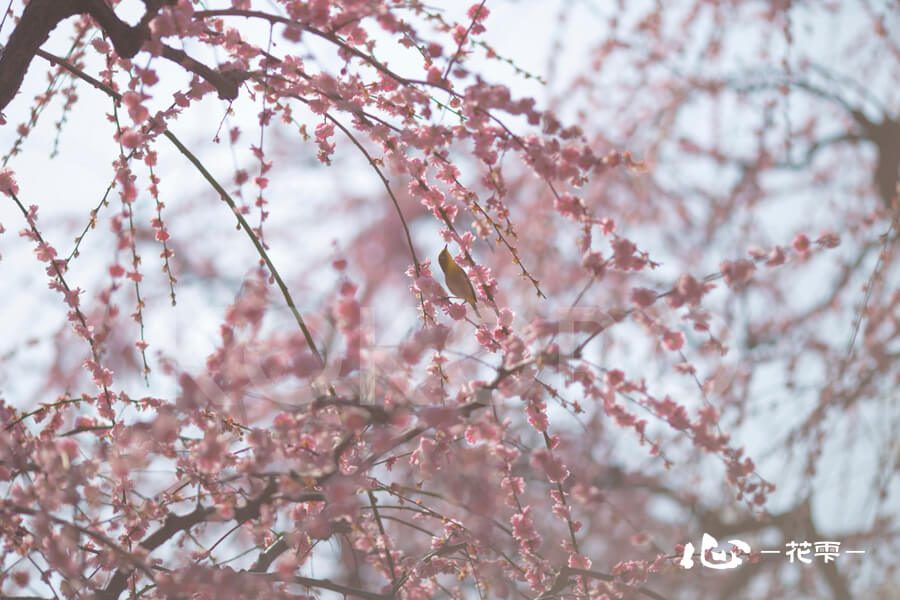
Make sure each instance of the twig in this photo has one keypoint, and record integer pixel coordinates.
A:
(216, 186)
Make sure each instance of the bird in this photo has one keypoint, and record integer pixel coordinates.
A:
(457, 280)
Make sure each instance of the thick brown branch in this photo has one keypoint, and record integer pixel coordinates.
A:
(40, 17)
(125, 38)
(178, 523)
(227, 83)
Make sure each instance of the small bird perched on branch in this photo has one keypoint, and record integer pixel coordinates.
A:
(457, 280)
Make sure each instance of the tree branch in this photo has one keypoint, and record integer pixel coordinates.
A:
(563, 580)
(41, 17)
(327, 584)
(227, 83)
(174, 524)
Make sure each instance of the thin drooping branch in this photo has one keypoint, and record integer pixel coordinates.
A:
(226, 197)
(373, 502)
(462, 40)
(58, 271)
(222, 194)
(883, 133)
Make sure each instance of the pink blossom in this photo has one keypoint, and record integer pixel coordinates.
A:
(688, 291)
(524, 531)
(673, 340)
(45, 252)
(579, 561)
(131, 138)
(776, 257)
(643, 297)
(614, 377)
(737, 273)
(550, 465)
(570, 206)
(478, 12)
(8, 183)
(801, 243)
